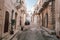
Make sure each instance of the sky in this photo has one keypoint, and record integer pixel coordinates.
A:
(30, 4)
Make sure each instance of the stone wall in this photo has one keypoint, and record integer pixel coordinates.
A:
(1, 16)
(47, 17)
(57, 17)
(6, 5)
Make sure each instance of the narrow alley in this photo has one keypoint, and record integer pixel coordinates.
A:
(29, 19)
(35, 34)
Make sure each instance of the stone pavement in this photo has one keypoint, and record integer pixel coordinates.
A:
(35, 34)
(30, 35)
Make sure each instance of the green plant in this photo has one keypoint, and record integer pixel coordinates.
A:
(13, 21)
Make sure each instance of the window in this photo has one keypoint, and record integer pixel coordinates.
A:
(18, 1)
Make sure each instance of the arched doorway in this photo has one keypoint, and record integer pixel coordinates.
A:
(6, 22)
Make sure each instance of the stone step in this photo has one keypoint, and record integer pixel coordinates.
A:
(52, 32)
(49, 36)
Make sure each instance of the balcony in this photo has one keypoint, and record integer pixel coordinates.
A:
(41, 10)
(19, 4)
(45, 4)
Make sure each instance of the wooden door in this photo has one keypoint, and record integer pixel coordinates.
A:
(46, 20)
(6, 22)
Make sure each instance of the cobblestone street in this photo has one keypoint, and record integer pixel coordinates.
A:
(35, 34)
(29, 19)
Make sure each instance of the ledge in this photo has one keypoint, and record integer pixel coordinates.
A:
(45, 4)
(52, 32)
(41, 9)
(12, 36)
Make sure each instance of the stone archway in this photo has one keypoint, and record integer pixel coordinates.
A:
(6, 24)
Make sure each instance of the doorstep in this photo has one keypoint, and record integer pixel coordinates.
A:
(12, 36)
(52, 32)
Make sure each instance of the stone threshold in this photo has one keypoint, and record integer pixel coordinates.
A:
(52, 32)
(12, 36)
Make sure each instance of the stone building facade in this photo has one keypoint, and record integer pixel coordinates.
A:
(23, 13)
(35, 16)
(46, 12)
(6, 12)
(50, 15)
(57, 17)
(10, 10)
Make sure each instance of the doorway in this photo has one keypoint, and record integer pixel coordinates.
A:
(15, 19)
(6, 22)
(46, 20)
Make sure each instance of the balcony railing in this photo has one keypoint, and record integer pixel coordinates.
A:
(41, 10)
(18, 4)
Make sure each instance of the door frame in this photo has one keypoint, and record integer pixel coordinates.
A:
(6, 23)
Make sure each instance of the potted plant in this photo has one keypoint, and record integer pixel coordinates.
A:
(12, 24)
